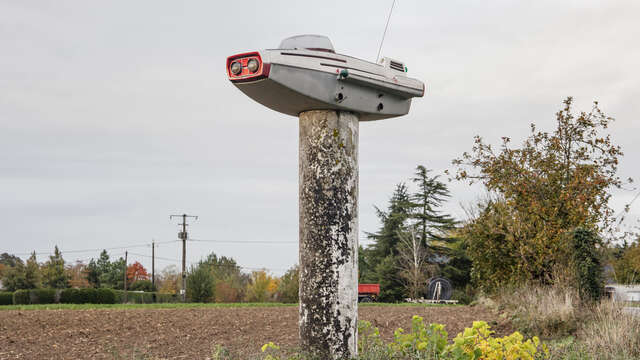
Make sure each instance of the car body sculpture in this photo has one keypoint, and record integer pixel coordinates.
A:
(305, 73)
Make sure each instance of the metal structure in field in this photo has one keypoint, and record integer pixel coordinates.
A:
(330, 93)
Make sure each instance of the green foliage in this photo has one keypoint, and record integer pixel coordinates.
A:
(551, 184)
(391, 289)
(132, 297)
(433, 225)
(43, 296)
(386, 239)
(430, 343)
(142, 285)
(626, 265)
(20, 276)
(32, 273)
(410, 219)
(54, 275)
(166, 298)
(88, 296)
(34, 296)
(380, 264)
(6, 298)
(21, 297)
(200, 283)
(14, 277)
(10, 260)
(97, 270)
(422, 342)
(289, 285)
(113, 275)
(586, 261)
(230, 283)
(72, 296)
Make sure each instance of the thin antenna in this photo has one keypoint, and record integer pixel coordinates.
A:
(385, 31)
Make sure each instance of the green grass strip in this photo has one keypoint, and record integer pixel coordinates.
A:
(185, 306)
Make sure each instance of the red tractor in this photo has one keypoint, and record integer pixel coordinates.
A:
(368, 292)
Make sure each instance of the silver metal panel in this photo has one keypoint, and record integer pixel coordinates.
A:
(292, 90)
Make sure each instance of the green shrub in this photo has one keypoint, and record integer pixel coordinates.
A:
(141, 297)
(21, 297)
(586, 262)
(167, 298)
(105, 296)
(465, 296)
(6, 298)
(430, 342)
(70, 296)
(42, 296)
(119, 296)
(88, 296)
(142, 285)
(134, 297)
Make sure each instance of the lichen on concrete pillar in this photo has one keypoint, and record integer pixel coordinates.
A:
(328, 170)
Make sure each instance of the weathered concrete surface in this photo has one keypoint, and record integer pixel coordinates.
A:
(328, 170)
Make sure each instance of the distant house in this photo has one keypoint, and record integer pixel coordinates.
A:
(619, 292)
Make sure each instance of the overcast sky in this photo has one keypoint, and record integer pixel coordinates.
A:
(116, 114)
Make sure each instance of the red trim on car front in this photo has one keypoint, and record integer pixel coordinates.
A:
(245, 75)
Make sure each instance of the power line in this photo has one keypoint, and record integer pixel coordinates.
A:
(45, 252)
(246, 242)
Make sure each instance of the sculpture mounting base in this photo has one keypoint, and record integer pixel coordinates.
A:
(328, 170)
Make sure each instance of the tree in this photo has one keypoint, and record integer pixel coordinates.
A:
(112, 274)
(168, 280)
(386, 239)
(432, 224)
(380, 263)
(391, 287)
(414, 269)
(552, 184)
(97, 270)
(230, 282)
(142, 285)
(14, 277)
(289, 286)
(200, 283)
(32, 274)
(136, 272)
(10, 260)
(77, 274)
(54, 275)
(262, 287)
(627, 265)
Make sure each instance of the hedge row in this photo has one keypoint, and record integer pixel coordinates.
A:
(145, 297)
(84, 296)
(87, 296)
(35, 296)
(6, 298)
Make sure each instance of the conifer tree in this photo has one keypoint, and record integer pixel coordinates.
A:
(54, 275)
(433, 226)
(33, 276)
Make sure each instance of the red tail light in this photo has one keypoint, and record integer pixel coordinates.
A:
(245, 74)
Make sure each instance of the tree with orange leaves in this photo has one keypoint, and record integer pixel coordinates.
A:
(136, 272)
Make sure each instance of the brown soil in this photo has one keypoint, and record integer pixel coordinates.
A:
(190, 333)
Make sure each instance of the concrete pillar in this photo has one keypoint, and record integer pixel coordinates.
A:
(328, 171)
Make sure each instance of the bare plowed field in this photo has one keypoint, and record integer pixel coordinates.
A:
(189, 333)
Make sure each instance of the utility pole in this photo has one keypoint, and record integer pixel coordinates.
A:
(153, 264)
(183, 236)
(126, 253)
